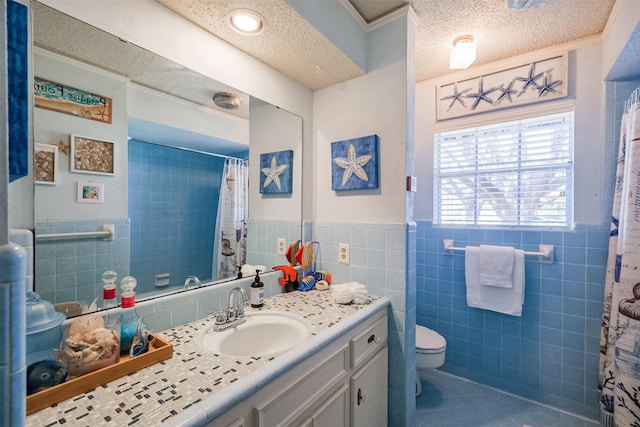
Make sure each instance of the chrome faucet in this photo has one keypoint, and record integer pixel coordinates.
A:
(192, 280)
(234, 314)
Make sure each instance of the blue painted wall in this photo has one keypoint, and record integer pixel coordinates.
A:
(173, 202)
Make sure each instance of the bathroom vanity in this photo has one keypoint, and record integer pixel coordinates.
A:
(335, 377)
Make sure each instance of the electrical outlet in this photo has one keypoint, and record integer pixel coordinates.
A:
(343, 253)
(282, 246)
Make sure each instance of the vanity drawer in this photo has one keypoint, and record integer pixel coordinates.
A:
(369, 341)
(288, 405)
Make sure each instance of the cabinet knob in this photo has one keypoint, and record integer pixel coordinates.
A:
(374, 339)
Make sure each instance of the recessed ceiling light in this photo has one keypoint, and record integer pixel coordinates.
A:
(246, 21)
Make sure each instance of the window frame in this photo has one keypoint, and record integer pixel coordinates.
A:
(532, 112)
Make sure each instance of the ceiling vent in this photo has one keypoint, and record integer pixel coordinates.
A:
(226, 100)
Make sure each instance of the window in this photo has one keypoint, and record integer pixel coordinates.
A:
(516, 173)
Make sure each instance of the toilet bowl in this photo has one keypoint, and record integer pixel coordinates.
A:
(430, 352)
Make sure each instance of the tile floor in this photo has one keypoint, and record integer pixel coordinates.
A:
(450, 401)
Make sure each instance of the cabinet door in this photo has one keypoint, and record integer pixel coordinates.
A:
(334, 412)
(369, 393)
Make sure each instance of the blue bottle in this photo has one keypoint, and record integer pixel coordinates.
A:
(130, 319)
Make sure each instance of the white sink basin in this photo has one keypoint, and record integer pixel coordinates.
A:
(264, 333)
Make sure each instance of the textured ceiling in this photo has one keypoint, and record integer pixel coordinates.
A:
(294, 47)
(499, 32)
(103, 50)
(288, 43)
(291, 45)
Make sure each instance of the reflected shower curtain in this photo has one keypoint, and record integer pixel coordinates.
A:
(230, 246)
(619, 381)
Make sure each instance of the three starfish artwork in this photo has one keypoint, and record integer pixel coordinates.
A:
(530, 81)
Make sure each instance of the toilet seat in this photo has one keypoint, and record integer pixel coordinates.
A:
(428, 341)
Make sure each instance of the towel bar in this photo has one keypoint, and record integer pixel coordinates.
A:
(107, 233)
(544, 255)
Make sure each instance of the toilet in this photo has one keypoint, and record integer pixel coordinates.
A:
(430, 352)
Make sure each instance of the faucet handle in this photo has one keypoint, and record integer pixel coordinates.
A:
(239, 312)
(191, 280)
(221, 317)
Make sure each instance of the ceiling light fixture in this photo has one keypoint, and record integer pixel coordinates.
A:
(463, 53)
(246, 21)
(226, 100)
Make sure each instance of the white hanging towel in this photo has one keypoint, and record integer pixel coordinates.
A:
(496, 265)
(494, 298)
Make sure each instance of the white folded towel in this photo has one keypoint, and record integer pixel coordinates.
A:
(361, 300)
(350, 292)
(494, 298)
(347, 299)
(249, 270)
(496, 265)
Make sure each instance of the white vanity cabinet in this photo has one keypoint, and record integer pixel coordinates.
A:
(343, 384)
(369, 383)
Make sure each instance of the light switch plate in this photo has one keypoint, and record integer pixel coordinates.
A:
(282, 246)
(343, 253)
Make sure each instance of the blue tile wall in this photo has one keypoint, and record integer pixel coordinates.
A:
(551, 353)
(263, 243)
(13, 269)
(71, 269)
(176, 309)
(173, 202)
(381, 257)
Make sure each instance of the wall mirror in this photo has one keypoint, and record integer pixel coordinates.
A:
(132, 143)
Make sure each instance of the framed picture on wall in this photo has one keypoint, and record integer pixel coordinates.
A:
(45, 163)
(354, 164)
(276, 172)
(90, 192)
(90, 155)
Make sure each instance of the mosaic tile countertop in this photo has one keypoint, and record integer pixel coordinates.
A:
(165, 391)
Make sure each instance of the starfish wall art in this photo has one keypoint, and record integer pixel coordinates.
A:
(524, 84)
(354, 163)
(276, 172)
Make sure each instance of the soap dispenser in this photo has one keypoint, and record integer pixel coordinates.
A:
(257, 291)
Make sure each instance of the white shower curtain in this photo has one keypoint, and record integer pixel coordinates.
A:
(619, 381)
(230, 245)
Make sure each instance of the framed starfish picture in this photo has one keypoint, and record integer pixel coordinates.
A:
(354, 164)
(276, 172)
(527, 83)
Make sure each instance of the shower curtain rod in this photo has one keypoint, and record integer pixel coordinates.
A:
(544, 255)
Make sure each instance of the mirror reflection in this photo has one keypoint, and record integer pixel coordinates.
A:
(178, 191)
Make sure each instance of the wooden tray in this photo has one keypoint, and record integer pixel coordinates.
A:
(159, 350)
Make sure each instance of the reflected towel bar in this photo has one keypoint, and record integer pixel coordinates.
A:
(545, 254)
(108, 231)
